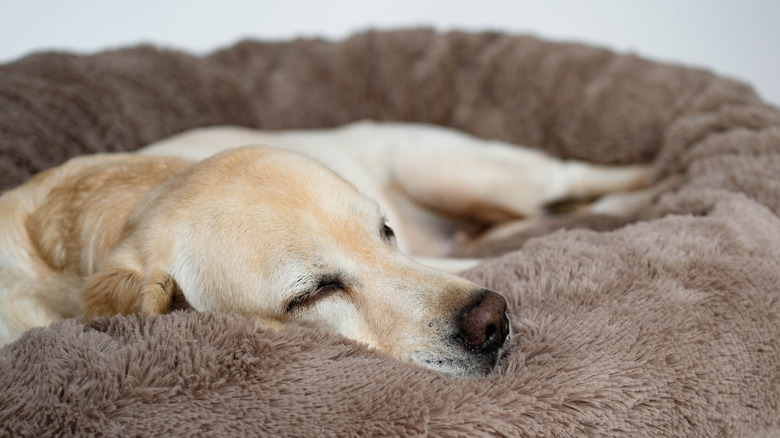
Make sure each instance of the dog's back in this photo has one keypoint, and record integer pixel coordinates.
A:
(56, 228)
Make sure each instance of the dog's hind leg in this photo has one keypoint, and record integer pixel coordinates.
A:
(492, 181)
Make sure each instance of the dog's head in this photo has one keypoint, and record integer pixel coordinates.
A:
(281, 239)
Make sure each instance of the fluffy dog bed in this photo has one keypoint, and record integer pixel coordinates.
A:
(662, 325)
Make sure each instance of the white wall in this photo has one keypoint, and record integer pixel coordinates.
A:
(737, 38)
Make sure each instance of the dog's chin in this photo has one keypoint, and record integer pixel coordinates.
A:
(461, 365)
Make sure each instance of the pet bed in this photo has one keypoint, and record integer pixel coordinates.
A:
(666, 324)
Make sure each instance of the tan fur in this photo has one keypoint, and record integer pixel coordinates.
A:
(83, 216)
(57, 228)
(245, 231)
(126, 291)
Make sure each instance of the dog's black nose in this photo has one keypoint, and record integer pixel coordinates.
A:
(482, 324)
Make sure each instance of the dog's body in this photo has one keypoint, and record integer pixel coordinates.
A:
(433, 182)
(279, 238)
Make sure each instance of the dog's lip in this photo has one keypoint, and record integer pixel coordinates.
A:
(454, 367)
(447, 366)
(466, 364)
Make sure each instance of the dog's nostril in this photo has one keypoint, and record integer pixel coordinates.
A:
(490, 335)
(482, 324)
(490, 332)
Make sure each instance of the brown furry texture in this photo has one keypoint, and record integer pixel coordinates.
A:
(668, 326)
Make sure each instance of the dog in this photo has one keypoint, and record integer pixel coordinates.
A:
(290, 235)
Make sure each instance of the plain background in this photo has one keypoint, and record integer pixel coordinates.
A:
(735, 38)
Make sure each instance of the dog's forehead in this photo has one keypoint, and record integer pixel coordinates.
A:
(272, 191)
(255, 175)
(290, 180)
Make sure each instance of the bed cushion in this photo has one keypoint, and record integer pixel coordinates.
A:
(664, 324)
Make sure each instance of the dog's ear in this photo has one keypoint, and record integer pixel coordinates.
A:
(125, 291)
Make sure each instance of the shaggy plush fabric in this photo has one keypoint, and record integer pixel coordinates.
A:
(666, 325)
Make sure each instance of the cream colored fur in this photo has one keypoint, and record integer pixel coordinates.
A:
(433, 182)
(278, 237)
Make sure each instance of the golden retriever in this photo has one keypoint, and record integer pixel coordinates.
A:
(283, 239)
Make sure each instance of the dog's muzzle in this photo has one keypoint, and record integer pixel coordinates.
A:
(482, 324)
(476, 340)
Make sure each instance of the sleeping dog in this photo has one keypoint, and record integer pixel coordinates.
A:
(290, 235)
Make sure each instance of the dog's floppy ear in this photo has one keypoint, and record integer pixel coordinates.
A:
(125, 291)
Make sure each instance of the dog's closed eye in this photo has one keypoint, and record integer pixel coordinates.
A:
(326, 287)
(388, 233)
